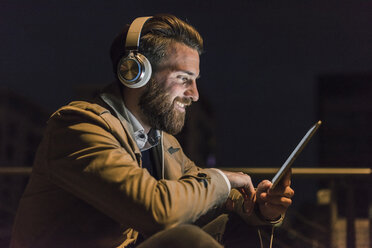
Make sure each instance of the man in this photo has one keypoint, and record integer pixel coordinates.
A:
(109, 173)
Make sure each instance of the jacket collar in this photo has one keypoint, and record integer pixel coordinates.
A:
(113, 97)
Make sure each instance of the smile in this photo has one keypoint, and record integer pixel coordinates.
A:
(180, 104)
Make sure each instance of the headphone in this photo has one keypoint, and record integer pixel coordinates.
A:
(134, 69)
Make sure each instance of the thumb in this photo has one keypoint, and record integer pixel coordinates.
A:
(263, 187)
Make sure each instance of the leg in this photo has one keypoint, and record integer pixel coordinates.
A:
(183, 236)
(239, 234)
(231, 231)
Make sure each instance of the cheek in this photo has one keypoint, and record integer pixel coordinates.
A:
(174, 90)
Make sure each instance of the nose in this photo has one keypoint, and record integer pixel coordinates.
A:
(192, 91)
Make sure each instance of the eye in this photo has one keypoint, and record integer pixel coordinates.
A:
(182, 78)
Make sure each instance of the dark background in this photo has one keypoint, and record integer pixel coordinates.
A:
(261, 72)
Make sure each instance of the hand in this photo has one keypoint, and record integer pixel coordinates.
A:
(243, 183)
(273, 203)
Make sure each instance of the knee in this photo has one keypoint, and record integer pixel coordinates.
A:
(182, 236)
(193, 236)
(188, 231)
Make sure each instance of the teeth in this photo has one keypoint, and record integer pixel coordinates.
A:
(180, 104)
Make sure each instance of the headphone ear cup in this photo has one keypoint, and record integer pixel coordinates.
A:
(134, 70)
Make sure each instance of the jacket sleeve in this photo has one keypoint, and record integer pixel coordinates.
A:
(85, 158)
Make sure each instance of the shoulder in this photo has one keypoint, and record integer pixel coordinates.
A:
(81, 107)
(82, 111)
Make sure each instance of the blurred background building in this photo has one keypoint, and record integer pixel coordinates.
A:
(346, 141)
(21, 129)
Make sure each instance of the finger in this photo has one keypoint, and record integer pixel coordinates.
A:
(269, 197)
(288, 192)
(286, 181)
(262, 189)
(264, 186)
(263, 196)
(248, 205)
(244, 194)
(279, 200)
(248, 188)
(248, 200)
(249, 194)
(280, 191)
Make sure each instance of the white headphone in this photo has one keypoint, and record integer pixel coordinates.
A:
(134, 69)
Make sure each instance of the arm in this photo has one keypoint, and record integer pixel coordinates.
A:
(86, 158)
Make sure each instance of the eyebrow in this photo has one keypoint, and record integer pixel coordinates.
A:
(191, 74)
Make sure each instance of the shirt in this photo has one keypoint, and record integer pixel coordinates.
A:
(143, 140)
(147, 141)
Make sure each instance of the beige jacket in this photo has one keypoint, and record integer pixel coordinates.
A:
(87, 187)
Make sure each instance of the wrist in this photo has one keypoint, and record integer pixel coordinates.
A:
(264, 217)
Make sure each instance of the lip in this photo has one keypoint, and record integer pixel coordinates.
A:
(180, 106)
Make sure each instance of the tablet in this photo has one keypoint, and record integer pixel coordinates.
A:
(287, 164)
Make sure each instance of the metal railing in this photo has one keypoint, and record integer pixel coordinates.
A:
(303, 171)
(14, 170)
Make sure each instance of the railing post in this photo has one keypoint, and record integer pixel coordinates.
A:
(350, 215)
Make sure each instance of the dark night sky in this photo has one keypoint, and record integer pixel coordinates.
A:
(259, 71)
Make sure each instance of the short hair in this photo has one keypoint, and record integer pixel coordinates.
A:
(156, 36)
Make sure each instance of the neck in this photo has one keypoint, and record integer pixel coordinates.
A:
(131, 101)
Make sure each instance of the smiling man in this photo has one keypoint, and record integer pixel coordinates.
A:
(109, 173)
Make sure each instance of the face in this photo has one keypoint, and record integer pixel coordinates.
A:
(171, 89)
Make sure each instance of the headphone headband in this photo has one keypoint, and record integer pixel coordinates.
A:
(134, 33)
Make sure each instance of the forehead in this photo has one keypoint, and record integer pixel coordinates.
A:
(180, 57)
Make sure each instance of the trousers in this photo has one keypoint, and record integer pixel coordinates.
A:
(227, 230)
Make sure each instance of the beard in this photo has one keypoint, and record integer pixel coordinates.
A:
(159, 109)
